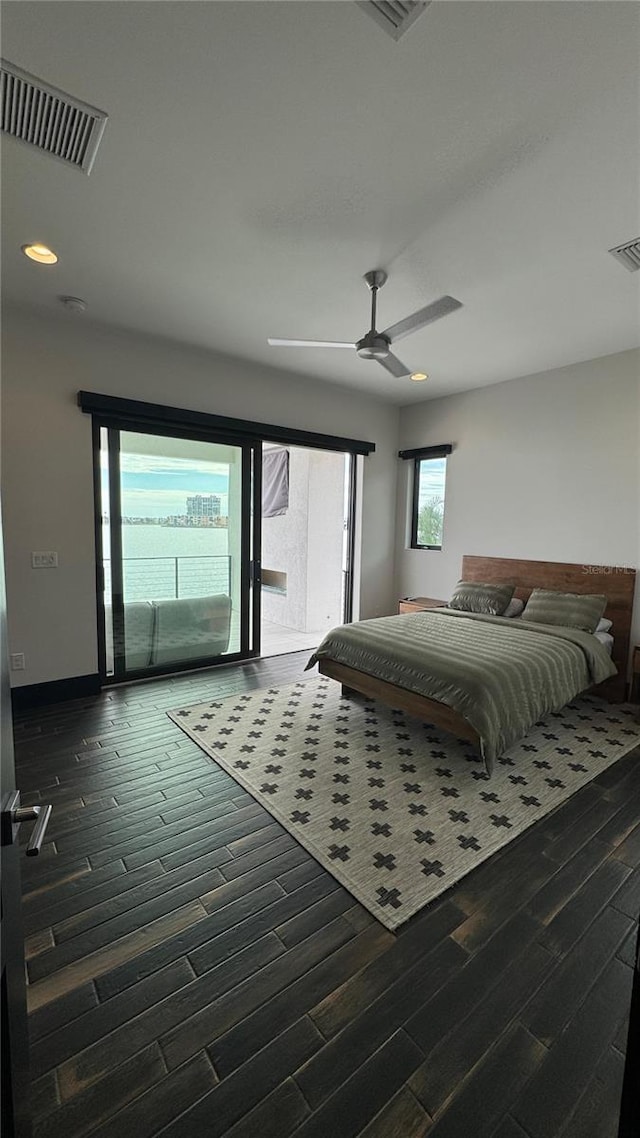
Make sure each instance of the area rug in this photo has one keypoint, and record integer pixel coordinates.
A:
(395, 809)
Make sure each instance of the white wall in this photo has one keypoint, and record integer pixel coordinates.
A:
(47, 471)
(305, 543)
(284, 549)
(325, 533)
(546, 467)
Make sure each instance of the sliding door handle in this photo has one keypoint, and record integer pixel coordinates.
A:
(41, 816)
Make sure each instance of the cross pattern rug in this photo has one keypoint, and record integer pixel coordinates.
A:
(396, 809)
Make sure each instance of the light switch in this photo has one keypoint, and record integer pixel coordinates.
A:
(44, 560)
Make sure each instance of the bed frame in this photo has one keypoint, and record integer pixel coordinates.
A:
(616, 582)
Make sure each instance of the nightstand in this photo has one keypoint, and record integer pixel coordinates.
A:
(634, 691)
(419, 604)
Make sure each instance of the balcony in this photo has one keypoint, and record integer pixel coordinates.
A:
(163, 578)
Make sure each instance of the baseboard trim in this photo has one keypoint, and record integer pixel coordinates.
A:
(55, 691)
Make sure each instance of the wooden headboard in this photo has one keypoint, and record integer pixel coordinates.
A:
(616, 582)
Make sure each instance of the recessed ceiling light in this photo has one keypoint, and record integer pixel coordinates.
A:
(416, 376)
(40, 253)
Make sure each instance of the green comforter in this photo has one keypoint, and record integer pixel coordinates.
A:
(501, 675)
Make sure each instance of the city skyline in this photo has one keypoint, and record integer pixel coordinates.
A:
(199, 510)
(155, 486)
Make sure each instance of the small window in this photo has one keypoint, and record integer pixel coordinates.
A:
(428, 502)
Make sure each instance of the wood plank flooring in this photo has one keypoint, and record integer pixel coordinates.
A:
(194, 971)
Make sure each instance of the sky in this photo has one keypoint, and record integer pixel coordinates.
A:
(432, 475)
(153, 486)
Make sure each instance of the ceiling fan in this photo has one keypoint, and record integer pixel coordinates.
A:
(376, 345)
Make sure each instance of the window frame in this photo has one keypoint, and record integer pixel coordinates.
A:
(422, 455)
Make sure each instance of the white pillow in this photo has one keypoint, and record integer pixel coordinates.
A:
(604, 625)
(514, 608)
(606, 639)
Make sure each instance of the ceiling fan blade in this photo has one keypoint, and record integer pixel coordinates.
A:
(309, 344)
(423, 316)
(394, 365)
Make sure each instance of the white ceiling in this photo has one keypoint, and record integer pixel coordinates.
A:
(261, 156)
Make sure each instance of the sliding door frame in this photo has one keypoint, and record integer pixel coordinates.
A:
(249, 547)
(347, 614)
(120, 414)
(254, 559)
(96, 443)
(115, 548)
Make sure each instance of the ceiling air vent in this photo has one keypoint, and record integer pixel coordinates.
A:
(628, 255)
(395, 16)
(43, 116)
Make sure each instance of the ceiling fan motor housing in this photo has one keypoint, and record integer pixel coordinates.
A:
(377, 345)
(373, 346)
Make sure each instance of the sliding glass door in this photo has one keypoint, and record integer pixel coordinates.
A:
(180, 556)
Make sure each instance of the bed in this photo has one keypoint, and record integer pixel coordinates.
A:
(488, 679)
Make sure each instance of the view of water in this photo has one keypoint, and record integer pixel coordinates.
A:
(170, 541)
(168, 561)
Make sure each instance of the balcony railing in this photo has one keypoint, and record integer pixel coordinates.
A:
(161, 578)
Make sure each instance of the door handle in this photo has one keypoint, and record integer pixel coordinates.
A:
(41, 816)
(13, 814)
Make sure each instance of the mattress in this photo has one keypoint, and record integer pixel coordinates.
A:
(500, 675)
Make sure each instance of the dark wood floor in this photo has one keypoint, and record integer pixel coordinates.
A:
(193, 971)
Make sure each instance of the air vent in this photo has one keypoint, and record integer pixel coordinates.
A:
(395, 16)
(628, 255)
(41, 115)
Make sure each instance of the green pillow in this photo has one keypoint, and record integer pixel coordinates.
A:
(473, 596)
(573, 610)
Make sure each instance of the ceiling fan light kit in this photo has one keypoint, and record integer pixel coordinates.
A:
(376, 345)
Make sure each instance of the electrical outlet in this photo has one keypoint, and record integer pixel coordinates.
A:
(17, 661)
(44, 560)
